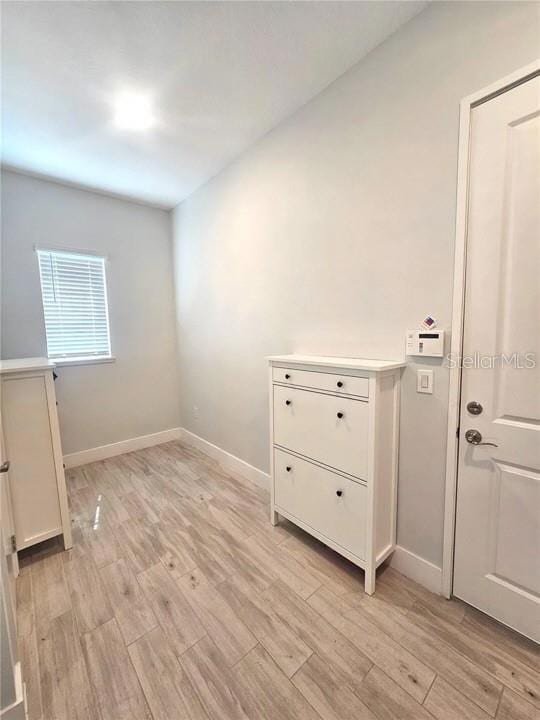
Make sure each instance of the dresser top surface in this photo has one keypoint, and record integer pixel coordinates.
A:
(21, 364)
(338, 362)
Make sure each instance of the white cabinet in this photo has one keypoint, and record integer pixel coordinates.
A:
(32, 446)
(334, 430)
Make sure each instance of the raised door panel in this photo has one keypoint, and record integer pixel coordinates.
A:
(515, 531)
(329, 429)
(29, 446)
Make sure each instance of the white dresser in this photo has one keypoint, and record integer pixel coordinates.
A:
(334, 434)
(32, 447)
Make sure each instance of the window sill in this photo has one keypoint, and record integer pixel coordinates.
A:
(66, 362)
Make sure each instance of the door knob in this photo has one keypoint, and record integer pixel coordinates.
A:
(4, 467)
(474, 437)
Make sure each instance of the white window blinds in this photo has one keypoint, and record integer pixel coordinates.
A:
(74, 292)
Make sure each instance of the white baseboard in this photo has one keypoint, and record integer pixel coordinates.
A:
(227, 460)
(421, 571)
(119, 448)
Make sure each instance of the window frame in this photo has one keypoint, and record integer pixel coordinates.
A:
(92, 359)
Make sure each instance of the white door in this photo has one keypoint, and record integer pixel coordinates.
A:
(11, 686)
(497, 548)
(7, 527)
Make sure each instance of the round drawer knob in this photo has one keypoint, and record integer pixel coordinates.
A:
(339, 383)
(340, 415)
(288, 468)
(287, 376)
(339, 493)
(288, 402)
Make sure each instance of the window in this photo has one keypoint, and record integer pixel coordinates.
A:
(74, 293)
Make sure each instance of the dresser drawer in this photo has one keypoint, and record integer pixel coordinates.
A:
(329, 429)
(330, 503)
(345, 384)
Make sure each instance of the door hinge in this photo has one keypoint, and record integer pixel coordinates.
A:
(13, 544)
(457, 431)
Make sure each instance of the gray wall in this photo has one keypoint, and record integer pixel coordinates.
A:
(335, 233)
(102, 403)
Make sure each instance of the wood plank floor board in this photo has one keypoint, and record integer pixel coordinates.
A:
(174, 552)
(473, 681)
(172, 610)
(451, 610)
(516, 645)
(168, 691)
(215, 684)
(444, 702)
(393, 594)
(119, 478)
(211, 558)
(138, 543)
(101, 543)
(112, 508)
(131, 608)
(221, 622)
(28, 645)
(326, 566)
(402, 666)
(236, 525)
(137, 507)
(85, 505)
(283, 566)
(89, 600)
(76, 478)
(118, 692)
(508, 670)
(285, 647)
(180, 600)
(513, 707)
(387, 700)
(267, 693)
(66, 690)
(332, 699)
(318, 634)
(51, 595)
(257, 575)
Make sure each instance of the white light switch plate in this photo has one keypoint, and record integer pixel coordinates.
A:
(424, 381)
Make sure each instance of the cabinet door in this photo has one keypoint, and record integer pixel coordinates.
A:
(332, 430)
(7, 525)
(330, 503)
(29, 446)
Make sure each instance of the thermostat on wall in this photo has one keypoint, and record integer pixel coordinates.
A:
(429, 343)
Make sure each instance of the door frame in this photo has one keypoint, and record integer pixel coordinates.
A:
(458, 306)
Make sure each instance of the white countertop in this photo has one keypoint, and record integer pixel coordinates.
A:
(338, 362)
(21, 364)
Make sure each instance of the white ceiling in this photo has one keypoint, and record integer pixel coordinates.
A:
(222, 75)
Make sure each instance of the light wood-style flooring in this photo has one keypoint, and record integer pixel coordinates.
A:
(180, 601)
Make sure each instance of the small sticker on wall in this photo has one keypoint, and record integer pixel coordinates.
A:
(429, 322)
